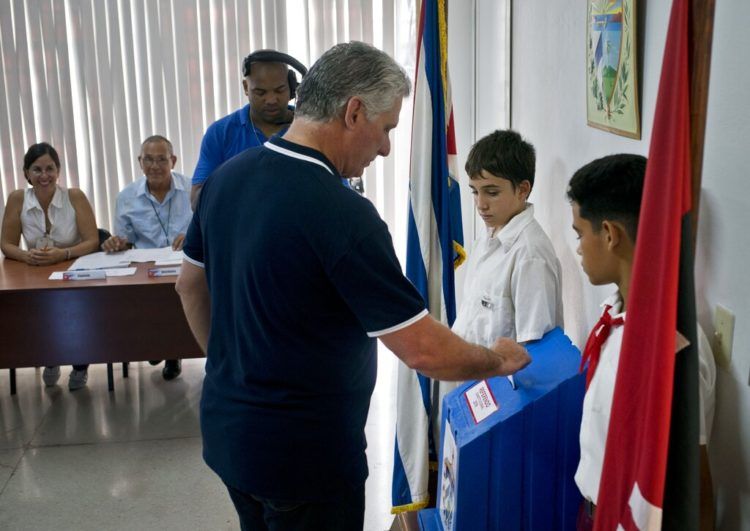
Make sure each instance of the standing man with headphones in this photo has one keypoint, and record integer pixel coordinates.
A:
(269, 85)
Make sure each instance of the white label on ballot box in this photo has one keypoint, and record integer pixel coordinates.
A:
(481, 401)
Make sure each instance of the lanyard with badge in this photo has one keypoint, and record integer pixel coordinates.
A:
(158, 218)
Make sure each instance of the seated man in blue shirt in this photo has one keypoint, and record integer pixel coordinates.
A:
(153, 211)
(269, 86)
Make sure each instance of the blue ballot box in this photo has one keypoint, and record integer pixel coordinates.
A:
(508, 456)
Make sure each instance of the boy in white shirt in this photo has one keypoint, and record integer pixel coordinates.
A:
(513, 285)
(605, 196)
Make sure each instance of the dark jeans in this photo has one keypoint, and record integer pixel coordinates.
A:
(258, 514)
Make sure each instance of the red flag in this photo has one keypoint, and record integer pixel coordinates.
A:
(632, 487)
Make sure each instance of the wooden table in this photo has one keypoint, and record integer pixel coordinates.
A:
(120, 319)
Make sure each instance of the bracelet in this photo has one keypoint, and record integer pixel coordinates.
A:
(67, 254)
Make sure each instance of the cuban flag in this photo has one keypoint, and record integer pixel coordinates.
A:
(650, 478)
(434, 249)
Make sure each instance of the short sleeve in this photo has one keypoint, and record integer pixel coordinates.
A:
(369, 278)
(210, 156)
(193, 247)
(535, 294)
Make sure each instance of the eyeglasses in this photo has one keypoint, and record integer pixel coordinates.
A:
(36, 171)
(148, 161)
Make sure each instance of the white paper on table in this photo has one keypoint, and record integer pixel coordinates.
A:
(114, 272)
(154, 255)
(175, 262)
(121, 272)
(100, 260)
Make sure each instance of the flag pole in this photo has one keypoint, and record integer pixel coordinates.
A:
(701, 37)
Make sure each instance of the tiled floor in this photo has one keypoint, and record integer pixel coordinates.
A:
(131, 459)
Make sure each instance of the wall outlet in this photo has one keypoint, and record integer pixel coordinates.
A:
(723, 335)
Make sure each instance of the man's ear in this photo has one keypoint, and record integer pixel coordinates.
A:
(246, 87)
(353, 112)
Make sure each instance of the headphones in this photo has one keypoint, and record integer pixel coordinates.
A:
(272, 56)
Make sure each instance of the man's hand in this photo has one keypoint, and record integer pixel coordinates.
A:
(178, 242)
(114, 244)
(429, 347)
(514, 356)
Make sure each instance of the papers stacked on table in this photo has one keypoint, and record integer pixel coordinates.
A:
(102, 260)
(116, 264)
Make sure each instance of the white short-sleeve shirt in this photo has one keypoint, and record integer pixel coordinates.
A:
(513, 285)
(62, 218)
(597, 403)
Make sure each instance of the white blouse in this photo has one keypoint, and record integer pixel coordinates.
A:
(62, 218)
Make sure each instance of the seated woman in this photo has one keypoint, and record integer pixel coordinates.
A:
(57, 224)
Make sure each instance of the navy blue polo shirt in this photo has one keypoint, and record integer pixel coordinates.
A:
(302, 277)
(225, 138)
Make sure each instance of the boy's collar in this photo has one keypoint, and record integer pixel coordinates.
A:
(508, 235)
(615, 301)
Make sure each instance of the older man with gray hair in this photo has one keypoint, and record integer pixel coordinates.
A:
(295, 275)
(153, 211)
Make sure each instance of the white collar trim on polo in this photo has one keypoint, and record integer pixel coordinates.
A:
(293, 154)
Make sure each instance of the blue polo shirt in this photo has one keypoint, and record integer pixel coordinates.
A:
(302, 277)
(224, 139)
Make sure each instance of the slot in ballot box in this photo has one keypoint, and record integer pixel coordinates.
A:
(508, 456)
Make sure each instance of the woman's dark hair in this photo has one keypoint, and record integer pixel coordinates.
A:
(39, 150)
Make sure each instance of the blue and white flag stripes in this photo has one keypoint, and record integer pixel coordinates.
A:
(434, 249)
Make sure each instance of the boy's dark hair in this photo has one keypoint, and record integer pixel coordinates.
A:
(39, 150)
(503, 154)
(610, 188)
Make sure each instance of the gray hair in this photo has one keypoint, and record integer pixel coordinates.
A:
(158, 138)
(348, 70)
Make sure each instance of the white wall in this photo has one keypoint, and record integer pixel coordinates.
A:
(481, 88)
(548, 108)
(461, 44)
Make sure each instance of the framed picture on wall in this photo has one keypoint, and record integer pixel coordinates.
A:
(612, 67)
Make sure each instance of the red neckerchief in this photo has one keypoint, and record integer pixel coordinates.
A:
(599, 334)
